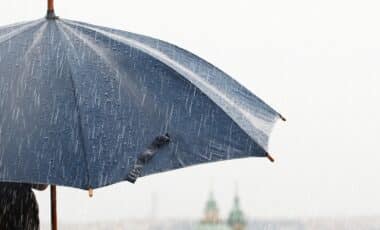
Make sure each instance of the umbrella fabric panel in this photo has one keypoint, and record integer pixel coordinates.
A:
(140, 99)
(7, 32)
(39, 134)
(252, 114)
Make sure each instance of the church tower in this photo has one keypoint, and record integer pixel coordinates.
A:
(236, 219)
(211, 219)
(211, 213)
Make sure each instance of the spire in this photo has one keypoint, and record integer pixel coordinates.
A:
(211, 211)
(236, 219)
(211, 203)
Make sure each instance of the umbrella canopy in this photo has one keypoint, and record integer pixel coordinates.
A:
(86, 106)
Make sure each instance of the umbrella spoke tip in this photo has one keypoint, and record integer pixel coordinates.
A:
(90, 192)
(270, 158)
(282, 117)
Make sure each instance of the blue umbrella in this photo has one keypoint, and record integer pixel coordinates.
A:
(87, 106)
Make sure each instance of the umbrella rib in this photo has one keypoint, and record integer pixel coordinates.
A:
(17, 24)
(18, 31)
(117, 32)
(111, 64)
(81, 132)
(213, 93)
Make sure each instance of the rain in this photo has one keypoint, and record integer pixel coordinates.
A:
(110, 117)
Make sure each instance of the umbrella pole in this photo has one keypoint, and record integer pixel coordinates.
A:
(53, 207)
(51, 5)
(50, 12)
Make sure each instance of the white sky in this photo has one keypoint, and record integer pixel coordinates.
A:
(317, 62)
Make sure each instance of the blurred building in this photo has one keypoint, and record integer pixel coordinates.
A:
(236, 219)
(212, 221)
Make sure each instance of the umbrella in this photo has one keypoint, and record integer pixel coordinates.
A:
(86, 106)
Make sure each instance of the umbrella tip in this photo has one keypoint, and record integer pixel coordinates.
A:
(270, 157)
(282, 117)
(90, 192)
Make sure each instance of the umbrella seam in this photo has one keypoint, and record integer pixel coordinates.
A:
(19, 30)
(145, 49)
(82, 138)
(116, 31)
(85, 41)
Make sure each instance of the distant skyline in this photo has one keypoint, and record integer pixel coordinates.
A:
(315, 62)
(362, 223)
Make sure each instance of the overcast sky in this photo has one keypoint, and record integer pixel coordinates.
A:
(316, 62)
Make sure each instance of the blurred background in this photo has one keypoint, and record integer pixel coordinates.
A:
(316, 62)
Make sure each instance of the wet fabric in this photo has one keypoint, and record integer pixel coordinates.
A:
(80, 103)
(18, 207)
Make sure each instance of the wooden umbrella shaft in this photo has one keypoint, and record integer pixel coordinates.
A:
(50, 12)
(53, 207)
(51, 5)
